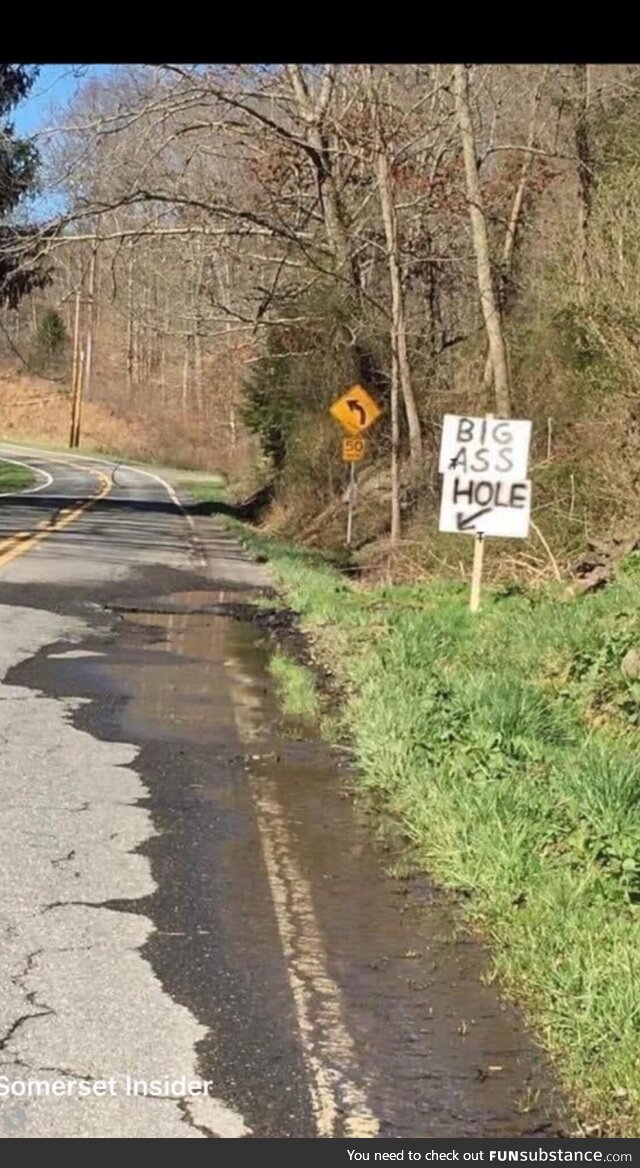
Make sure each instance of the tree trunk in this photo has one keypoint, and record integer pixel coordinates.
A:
(185, 377)
(509, 245)
(398, 315)
(400, 357)
(516, 210)
(197, 373)
(488, 301)
(313, 114)
(585, 175)
(197, 340)
(130, 323)
(395, 437)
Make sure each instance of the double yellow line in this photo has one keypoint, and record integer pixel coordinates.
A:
(23, 541)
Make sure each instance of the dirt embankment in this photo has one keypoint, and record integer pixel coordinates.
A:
(36, 409)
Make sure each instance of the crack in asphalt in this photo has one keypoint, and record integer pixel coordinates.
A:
(187, 1117)
(6, 1038)
(43, 1009)
(65, 1072)
(70, 855)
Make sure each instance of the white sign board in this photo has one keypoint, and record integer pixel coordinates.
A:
(484, 448)
(486, 506)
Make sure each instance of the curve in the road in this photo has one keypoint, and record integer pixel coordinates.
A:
(69, 459)
(48, 479)
(21, 542)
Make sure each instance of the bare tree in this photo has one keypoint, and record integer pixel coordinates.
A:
(488, 299)
(585, 172)
(401, 371)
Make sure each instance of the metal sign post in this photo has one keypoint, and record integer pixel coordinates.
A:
(352, 502)
(356, 411)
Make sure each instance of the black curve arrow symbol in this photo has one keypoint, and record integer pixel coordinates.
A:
(355, 406)
(463, 524)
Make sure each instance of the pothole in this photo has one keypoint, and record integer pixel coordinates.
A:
(239, 603)
(257, 607)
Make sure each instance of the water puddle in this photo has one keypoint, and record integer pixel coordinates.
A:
(322, 979)
(226, 601)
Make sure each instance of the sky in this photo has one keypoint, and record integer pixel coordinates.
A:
(55, 84)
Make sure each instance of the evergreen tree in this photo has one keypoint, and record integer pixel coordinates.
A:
(52, 334)
(19, 267)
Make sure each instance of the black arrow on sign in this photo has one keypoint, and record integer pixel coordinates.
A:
(463, 524)
(355, 406)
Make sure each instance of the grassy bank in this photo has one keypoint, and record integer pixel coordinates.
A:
(207, 490)
(506, 746)
(296, 689)
(15, 478)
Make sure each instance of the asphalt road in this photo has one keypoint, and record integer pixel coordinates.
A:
(198, 938)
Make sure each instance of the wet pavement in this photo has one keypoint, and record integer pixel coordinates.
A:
(187, 888)
(336, 1000)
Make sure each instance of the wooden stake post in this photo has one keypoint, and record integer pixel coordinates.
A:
(476, 572)
(478, 560)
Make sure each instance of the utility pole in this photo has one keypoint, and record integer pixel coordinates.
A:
(75, 421)
(75, 370)
(82, 355)
(84, 383)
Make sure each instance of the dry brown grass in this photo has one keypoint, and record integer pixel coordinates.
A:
(34, 409)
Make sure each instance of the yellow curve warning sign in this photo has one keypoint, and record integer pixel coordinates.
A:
(355, 410)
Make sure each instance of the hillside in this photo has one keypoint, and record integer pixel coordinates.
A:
(36, 409)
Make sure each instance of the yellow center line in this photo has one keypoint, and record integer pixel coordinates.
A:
(23, 541)
(18, 536)
(9, 540)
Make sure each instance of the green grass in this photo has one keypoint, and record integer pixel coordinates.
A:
(296, 688)
(211, 490)
(506, 748)
(15, 478)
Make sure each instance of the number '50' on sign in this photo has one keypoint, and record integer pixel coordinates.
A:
(353, 449)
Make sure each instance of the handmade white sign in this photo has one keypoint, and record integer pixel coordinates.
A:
(484, 448)
(486, 506)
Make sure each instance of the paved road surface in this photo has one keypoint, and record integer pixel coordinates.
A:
(198, 938)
